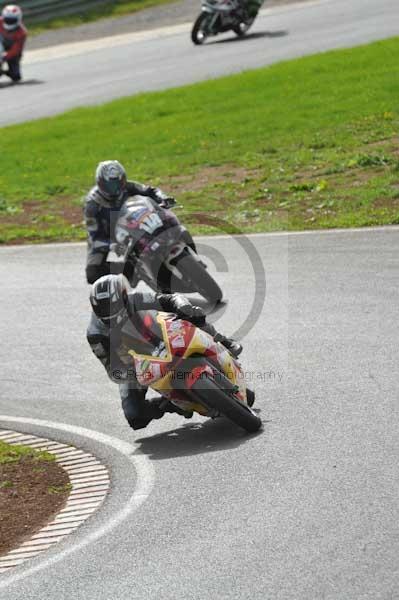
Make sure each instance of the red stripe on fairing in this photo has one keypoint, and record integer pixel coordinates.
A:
(187, 331)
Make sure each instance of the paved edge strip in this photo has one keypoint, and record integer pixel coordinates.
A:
(90, 484)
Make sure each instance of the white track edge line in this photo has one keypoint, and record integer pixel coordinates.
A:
(52, 529)
(144, 484)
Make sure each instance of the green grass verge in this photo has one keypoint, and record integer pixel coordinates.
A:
(13, 454)
(117, 8)
(309, 143)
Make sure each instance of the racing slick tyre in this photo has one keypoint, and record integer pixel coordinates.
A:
(212, 396)
(242, 28)
(194, 272)
(198, 35)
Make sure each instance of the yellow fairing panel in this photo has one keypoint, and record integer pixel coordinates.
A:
(201, 343)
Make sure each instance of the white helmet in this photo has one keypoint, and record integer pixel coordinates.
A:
(12, 17)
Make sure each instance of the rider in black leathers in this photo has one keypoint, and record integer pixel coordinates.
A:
(115, 327)
(101, 211)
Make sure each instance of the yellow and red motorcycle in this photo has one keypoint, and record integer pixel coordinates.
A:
(185, 365)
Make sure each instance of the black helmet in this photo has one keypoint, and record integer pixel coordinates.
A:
(111, 179)
(108, 298)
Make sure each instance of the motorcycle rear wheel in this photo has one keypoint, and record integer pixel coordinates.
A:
(198, 35)
(212, 396)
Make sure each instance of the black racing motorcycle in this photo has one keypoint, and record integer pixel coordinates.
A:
(161, 251)
(218, 16)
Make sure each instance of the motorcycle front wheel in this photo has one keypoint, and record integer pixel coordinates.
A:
(198, 35)
(198, 278)
(212, 396)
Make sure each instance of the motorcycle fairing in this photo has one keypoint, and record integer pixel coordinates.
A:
(140, 219)
(181, 339)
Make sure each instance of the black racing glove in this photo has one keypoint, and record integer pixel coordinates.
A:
(196, 315)
(169, 202)
(165, 201)
(182, 307)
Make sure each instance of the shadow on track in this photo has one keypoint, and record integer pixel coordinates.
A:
(194, 438)
(7, 84)
(251, 36)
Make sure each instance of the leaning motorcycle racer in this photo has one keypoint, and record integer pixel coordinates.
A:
(13, 36)
(102, 206)
(114, 321)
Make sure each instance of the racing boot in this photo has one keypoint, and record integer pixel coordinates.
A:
(155, 409)
(147, 413)
(8, 74)
(165, 406)
(232, 346)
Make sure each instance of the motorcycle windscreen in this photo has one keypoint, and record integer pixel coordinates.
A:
(145, 334)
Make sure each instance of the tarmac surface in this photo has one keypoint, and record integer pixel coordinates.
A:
(163, 15)
(308, 508)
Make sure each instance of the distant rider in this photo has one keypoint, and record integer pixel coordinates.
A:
(101, 211)
(13, 36)
(115, 326)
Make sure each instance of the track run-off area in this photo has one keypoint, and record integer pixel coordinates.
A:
(306, 509)
(92, 72)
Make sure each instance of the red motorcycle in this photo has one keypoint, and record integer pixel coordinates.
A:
(186, 366)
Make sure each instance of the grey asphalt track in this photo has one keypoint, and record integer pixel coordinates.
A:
(307, 509)
(159, 60)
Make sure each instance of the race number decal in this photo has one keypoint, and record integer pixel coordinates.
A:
(178, 342)
(151, 223)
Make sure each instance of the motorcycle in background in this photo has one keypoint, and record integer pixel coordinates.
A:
(150, 236)
(218, 16)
